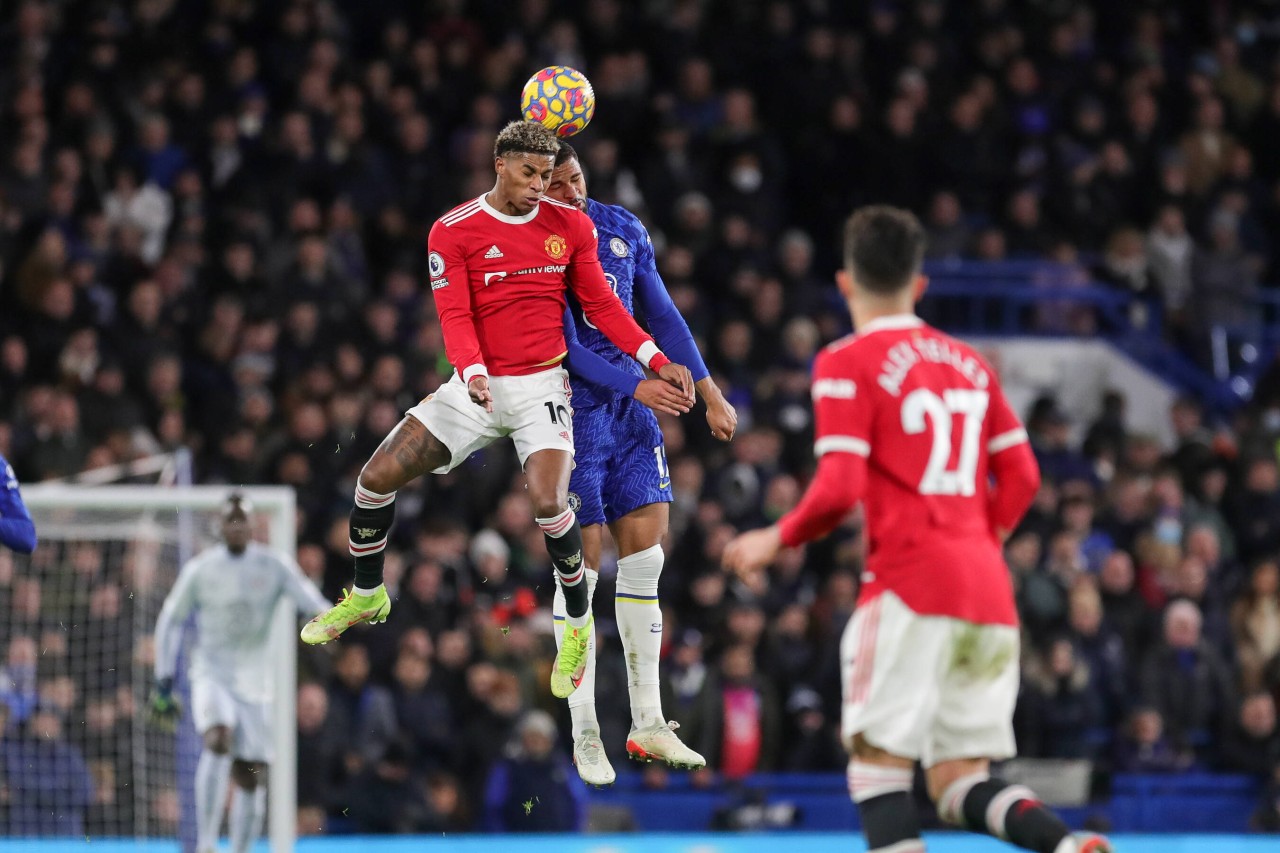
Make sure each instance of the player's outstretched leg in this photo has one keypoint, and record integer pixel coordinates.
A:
(640, 626)
(367, 601)
(410, 451)
(588, 749)
(980, 803)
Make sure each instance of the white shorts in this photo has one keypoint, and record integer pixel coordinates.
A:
(213, 704)
(534, 410)
(931, 688)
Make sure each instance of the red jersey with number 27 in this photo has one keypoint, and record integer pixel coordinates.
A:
(499, 284)
(928, 414)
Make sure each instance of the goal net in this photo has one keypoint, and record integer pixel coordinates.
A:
(78, 654)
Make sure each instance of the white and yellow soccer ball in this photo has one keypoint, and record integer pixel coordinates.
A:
(560, 98)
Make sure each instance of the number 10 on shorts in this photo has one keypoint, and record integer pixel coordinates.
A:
(664, 472)
(559, 413)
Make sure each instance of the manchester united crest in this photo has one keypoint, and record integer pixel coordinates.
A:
(555, 246)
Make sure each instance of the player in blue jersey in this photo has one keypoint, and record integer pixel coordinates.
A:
(621, 478)
(17, 530)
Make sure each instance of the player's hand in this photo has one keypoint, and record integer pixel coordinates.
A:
(722, 417)
(679, 376)
(748, 553)
(661, 396)
(165, 710)
(478, 388)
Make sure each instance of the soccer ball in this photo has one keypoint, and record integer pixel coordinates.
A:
(560, 98)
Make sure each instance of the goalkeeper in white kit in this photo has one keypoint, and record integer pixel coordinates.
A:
(233, 588)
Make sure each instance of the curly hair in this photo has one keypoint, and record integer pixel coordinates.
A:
(525, 137)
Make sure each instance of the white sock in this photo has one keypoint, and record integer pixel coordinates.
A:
(355, 590)
(1068, 845)
(640, 626)
(248, 808)
(582, 704)
(212, 772)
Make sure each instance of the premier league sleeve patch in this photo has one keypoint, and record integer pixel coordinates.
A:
(435, 265)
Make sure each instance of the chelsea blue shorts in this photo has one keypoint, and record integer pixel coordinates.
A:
(621, 462)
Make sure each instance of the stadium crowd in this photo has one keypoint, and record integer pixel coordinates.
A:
(212, 230)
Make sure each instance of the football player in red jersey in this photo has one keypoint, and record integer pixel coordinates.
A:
(499, 266)
(914, 423)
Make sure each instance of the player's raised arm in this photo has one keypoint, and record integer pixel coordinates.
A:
(601, 306)
(451, 287)
(673, 335)
(657, 394)
(842, 431)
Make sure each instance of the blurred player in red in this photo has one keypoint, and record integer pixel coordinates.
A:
(914, 423)
(499, 267)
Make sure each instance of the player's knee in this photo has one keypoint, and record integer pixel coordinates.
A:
(380, 475)
(218, 740)
(639, 572)
(548, 502)
(942, 776)
(248, 775)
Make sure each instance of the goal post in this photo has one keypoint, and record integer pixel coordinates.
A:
(88, 599)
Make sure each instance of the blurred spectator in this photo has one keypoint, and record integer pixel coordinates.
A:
(144, 206)
(48, 783)
(1224, 282)
(18, 679)
(364, 712)
(1143, 746)
(320, 745)
(812, 741)
(1206, 146)
(423, 709)
(1255, 623)
(1186, 680)
(1170, 250)
(534, 788)
(385, 798)
(1100, 649)
(1050, 431)
(739, 716)
(1252, 743)
(1253, 511)
(1063, 705)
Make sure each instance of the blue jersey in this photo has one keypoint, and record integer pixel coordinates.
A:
(626, 253)
(625, 247)
(621, 464)
(16, 528)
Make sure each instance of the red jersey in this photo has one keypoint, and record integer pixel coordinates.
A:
(499, 285)
(927, 414)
